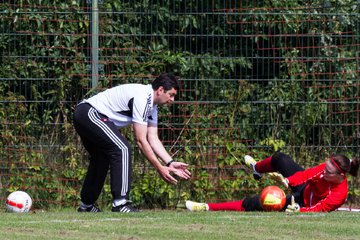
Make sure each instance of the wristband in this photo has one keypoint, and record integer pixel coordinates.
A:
(169, 163)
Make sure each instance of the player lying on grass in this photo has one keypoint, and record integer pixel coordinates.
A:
(322, 188)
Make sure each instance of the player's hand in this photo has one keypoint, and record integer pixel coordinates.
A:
(166, 174)
(293, 207)
(180, 169)
(279, 178)
(182, 173)
(169, 174)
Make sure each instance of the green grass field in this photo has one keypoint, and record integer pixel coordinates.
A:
(179, 224)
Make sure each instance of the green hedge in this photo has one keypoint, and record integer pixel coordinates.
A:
(257, 78)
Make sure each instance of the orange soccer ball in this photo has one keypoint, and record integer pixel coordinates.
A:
(272, 198)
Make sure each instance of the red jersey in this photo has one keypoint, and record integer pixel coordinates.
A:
(319, 195)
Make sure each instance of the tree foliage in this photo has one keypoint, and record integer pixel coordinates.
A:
(256, 77)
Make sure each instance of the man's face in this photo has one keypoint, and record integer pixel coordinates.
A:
(163, 97)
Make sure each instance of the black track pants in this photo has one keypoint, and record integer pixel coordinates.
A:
(108, 149)
(283, 164)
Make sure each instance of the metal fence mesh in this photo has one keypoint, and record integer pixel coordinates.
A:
(281, 73)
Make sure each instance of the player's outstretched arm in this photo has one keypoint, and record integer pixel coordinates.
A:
(178, 168)
(141, 135)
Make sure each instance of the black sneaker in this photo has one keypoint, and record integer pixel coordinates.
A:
(125, 208)
(256, 176)
(92, 208)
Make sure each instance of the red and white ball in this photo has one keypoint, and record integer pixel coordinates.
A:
(272, 198)
(18, 202)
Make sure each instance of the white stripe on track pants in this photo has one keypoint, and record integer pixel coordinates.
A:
(108, 149)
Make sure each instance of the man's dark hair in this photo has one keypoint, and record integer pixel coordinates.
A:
(167, 81)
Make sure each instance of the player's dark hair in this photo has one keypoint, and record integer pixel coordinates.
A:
(167, 81)
(347, 165)
(354, 166)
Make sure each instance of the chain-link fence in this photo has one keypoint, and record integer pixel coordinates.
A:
(256, 77)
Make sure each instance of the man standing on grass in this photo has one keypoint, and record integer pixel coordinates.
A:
(97, 120)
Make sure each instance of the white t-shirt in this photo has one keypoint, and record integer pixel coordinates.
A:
(126, 104)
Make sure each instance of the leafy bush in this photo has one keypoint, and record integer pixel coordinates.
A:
(256, 78)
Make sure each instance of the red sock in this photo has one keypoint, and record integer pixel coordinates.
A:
(264, 166)
(227, 206)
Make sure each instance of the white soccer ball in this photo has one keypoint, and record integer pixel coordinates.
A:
(18, 201)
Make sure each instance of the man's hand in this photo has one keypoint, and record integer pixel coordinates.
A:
(180, 169)
(165, 174)
(279, 178)
(176, 168)
(293, 207)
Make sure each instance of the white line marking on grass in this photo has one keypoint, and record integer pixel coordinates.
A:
(76, 220)
(259, 215)
(349, 209)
